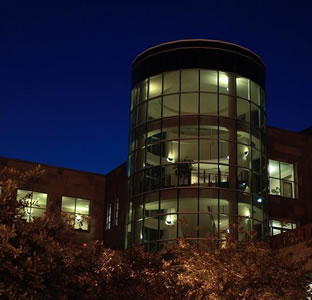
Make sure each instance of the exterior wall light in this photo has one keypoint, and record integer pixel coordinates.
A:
(259, 200)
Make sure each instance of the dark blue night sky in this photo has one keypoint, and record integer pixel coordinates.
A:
(65, 68)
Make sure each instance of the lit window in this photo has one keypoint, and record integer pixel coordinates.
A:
(282, 179)
(35, 203)
(277, 227)
(117, 212)
(79, 209)
(109, 216)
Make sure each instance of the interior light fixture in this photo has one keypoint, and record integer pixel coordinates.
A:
(170, 159)
(259, 200)
(168, 222)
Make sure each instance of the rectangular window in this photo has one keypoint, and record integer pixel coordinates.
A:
(282, 179)
(79, 209)
(117, 212)
(35, 203)
(109, 216)
(277, 227)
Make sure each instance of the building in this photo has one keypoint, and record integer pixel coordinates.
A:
(201, 158)
(197, 157)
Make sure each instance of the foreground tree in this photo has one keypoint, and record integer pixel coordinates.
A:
(38, 259)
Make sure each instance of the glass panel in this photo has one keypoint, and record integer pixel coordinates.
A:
(154, 109)
(255, 93)
(82, 206)
(139, 159)
(141, 113)
(287, 171)
(189, 103)
(224, 176)
(133, 98)
(255, 137)
(155, 86)
(255, 115)
(243, 133)
(208, 131)
(256, 160)
(274, 170)
(168, 176)
(143, 86)
(39, 199)
(224, 152)
(138, 232)
(288, 189)
(243, 110)
(81, 222)
(262, 98)
(153, 136)
(244, 180)
(208, 151)
(170, 152)
(68, 204)
(224, 105)
(171, 82)
(243, 156)
(226, 83)
(37, 212)
(188, 150)
(223, 133)
(151, 204)
(170, 105)
(209, 104)
(188, 225)
(275, 188)
(189, 80)
(24, 195)
(208, 81)
(151, 228)
(153, 154)
(208, 174)
(188, 131)
(170, 133)
(242, 87)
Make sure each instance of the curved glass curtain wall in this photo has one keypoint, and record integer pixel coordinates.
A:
(197, 156)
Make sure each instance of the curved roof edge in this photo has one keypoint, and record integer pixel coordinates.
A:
(191, 43)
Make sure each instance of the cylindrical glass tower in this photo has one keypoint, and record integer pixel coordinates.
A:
(197, 149)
